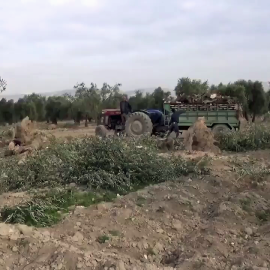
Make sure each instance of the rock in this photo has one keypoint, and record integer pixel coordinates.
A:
(158, 247)
(4, 229)
(25, 230)
(126, 213)
(120, 266)
(11, 146)
(78, 237)
(103, 206)
(159, 231)
(248, 231)
(177, 225)
(72, 185)
(79, 265)
(222, 208)
(78, 209)
(15, 249)
(21, 162)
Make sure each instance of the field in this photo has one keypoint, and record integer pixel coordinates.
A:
(138, 208)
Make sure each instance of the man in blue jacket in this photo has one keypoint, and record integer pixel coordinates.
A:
(174, 122)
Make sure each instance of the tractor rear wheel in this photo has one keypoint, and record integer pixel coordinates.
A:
(137, 124)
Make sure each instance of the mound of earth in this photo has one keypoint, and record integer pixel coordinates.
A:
(219, 221)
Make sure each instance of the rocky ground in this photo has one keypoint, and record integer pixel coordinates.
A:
(218, 221)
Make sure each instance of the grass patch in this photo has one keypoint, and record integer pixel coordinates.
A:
(263, 215)
(115, 233)
(253, 137)
(140, 201)
(48, 209)
(246, 204)
(103, 239)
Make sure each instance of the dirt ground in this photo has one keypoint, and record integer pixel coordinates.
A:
(218, 221)
(66, 130)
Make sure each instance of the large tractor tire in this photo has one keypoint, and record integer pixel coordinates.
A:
(101, 131)
(137, 124)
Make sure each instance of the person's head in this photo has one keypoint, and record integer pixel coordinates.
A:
(173, 110)
(124, 97)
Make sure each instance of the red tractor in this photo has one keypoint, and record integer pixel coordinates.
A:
(137, 123)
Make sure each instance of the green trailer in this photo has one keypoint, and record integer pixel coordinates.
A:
(218, 117)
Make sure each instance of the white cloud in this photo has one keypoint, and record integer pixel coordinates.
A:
(52, 44)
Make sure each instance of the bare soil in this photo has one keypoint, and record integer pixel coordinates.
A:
(207, 222)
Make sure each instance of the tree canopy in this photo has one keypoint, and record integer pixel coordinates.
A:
(88, 101)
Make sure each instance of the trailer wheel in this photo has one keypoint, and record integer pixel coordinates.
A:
(137, 124)
(220, 128)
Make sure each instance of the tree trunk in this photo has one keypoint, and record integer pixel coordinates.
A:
(54, 121)
(253, 118)
(86, 123)
(246, 116)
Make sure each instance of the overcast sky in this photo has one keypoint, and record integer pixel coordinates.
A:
(50, 45)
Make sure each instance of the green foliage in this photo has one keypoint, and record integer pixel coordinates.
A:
(89, 101)
(112, 164)
(48, 209)
(191, 87)
(103, 239)
(149, 101)
(255, 136)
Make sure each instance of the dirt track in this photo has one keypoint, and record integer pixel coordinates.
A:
(208, 222)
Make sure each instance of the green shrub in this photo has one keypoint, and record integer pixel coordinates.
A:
(46, 209)
(113, 164)
(254, 137)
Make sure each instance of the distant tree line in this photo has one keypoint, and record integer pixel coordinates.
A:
(89, 101)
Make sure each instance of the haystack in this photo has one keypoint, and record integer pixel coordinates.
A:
(199, 138)
(24, 131)
(29, 136)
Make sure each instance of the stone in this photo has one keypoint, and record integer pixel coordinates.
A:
(15, 249)
(11, 146)
(25, 230)
(177, 225)
(121, 265)
(103, 206)
(4, 229)
(79, 265)
(158, 247)
(248, 231)
(72, 185)
(77, 237)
